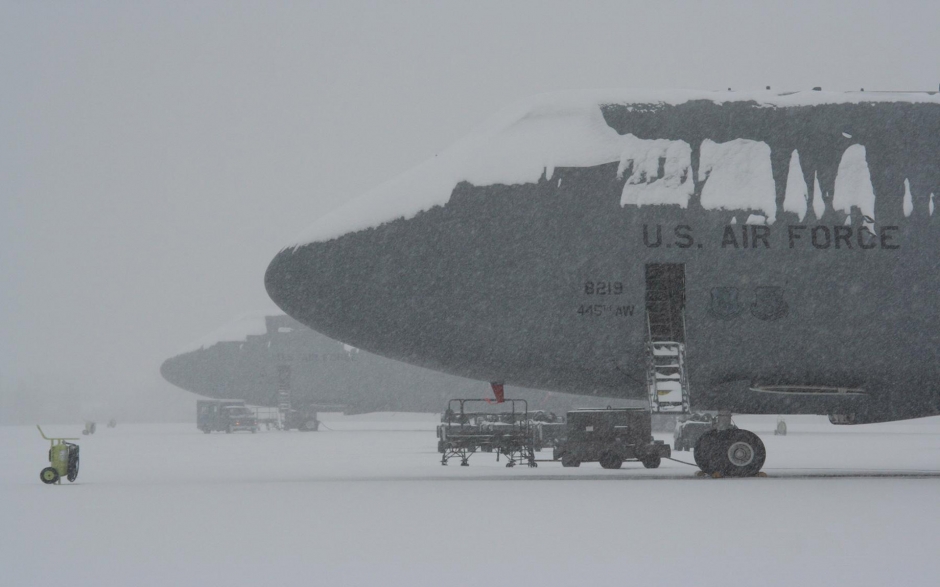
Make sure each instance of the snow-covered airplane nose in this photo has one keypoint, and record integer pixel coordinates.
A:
(430, 267)
(528, 252)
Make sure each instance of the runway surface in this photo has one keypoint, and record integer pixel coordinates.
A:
(368, 503)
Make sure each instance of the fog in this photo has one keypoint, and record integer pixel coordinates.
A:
(155, 157)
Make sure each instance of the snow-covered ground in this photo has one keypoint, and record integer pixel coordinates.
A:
(368, 503)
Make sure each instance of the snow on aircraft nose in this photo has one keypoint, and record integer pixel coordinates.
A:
(518, 254)
(410, 269)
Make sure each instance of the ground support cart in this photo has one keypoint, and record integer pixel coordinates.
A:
(63, 458)
(502, 428)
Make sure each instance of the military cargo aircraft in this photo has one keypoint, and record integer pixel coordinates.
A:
(269, 359)
(741, 252)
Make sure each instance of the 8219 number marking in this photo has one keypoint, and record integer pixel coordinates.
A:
(603, 288)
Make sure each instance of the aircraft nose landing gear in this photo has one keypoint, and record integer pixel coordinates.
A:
(730, 453)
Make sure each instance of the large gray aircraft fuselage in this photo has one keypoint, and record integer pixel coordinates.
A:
(319, 373)
(543, 284)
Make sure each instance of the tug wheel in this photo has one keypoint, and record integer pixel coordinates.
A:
(49, 475)
(610, 461)
(651, 462)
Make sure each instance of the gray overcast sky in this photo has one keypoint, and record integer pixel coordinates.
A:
(155, 156)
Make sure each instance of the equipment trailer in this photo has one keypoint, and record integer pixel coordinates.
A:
(508, 433)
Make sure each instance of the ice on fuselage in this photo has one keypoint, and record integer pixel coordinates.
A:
(521, 144)
(738, 176)
(853, 187)
(645, 185)
(908, 205)
(528, 141)
(819, 205)
(797, 194)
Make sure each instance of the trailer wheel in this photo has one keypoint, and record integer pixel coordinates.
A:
(440, 446)
(651, 462)
(570, 461)
(73, 470)
(49, 475)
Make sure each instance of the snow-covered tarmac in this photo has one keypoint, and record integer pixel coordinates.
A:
(368, 503)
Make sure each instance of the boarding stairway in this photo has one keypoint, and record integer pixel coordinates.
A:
(283, 392)
(283, 401)
(666, 377)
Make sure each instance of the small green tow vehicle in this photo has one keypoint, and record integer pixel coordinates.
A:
(63, 456)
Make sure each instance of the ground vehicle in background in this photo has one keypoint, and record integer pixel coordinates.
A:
(689, 430)
(610, 437)
(304, 420)
(240, 418)
(225, 416)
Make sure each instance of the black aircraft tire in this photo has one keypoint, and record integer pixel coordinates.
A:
(742, 453)
(48, 475)
(707, 452)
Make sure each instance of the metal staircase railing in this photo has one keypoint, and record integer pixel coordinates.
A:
(666, 377)
(667, 381)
